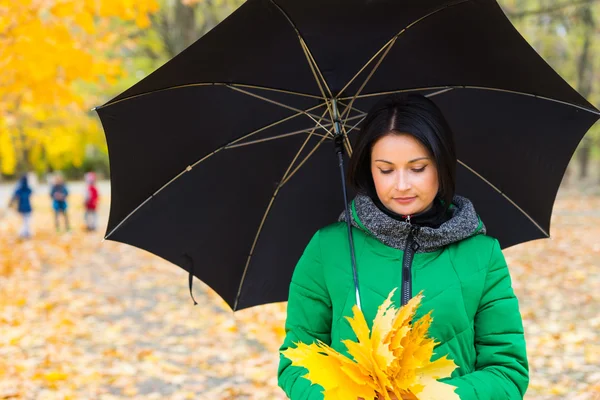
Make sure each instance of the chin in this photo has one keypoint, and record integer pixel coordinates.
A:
(403, 210)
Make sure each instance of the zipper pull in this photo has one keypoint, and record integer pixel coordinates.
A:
(408, 219)
(414, 230)
(416, 246)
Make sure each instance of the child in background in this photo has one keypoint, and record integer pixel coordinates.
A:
(21, 198)
(91, 202)
(59, 194)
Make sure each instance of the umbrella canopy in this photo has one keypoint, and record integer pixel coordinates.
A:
(222, 160)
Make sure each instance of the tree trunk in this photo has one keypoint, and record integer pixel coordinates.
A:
(583, 157)
(585, 78)
(185, 26)
(176, 26)
(210, 17)
(23, 152)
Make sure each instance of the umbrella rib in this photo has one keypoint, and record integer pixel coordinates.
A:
(189, 167)
(532, 95)
(352, 109)
(347, 144)
(448, 88)
(504, 195)
(386, 48)
(356, 125)
(311, 116)
(266, 214)
(303, 162)
(315, 69)
(363, 115)
(210, 84)
(347, 140)
(389, 47)
(278, 137)
(277, 90)
(311, 60)
(441, 91)
(360, 116)
(312, 63)
(367, 95)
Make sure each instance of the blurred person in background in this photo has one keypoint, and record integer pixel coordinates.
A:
(21, 199)
(59, 194)
(91, 202)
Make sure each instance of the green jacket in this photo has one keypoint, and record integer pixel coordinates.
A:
(476, 315)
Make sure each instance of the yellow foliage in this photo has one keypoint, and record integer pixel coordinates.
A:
(8, 159)
(393, 358)
(47, 47)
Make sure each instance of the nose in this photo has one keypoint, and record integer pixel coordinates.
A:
(402, 182)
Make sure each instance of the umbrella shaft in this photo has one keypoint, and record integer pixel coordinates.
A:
(339, 151)
(337, 124)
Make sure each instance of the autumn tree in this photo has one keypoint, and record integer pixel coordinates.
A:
(50, 50)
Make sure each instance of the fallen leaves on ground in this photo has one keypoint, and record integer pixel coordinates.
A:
(85, 319)
(557, 282)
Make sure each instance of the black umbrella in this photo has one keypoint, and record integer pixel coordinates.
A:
(223, 160)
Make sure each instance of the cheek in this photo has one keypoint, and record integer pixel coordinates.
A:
(382, 182)
(430, 183)
(376, 180)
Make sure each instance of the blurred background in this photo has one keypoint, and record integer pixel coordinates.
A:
(85, 319)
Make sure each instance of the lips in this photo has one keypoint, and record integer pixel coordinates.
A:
(404, 200)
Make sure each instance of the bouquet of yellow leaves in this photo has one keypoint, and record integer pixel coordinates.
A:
(393, 358)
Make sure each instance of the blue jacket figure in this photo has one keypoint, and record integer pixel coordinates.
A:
(59, 194)
(21, 197)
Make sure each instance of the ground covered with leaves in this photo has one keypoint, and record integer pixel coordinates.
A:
(86, 319)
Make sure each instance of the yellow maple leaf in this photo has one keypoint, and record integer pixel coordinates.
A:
(339, 376)
(373, 356)
(394, 357)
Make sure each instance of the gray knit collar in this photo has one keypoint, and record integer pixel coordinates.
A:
(464, 222)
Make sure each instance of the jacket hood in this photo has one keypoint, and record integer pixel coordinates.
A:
(23, 183)
(463, 223)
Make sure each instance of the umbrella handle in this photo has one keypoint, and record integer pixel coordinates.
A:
(339, 149)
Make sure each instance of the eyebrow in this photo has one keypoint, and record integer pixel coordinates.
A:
(411, 161)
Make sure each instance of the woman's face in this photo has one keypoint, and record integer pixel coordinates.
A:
(404, 173)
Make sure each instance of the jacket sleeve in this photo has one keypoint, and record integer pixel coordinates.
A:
(501, 368)
(308, 319)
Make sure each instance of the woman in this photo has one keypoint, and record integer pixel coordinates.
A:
(412, 232)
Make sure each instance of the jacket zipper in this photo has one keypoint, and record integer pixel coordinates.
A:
(409, 253)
